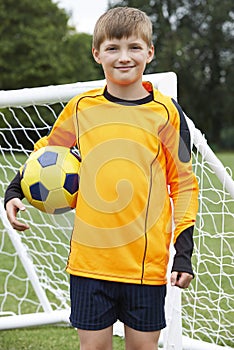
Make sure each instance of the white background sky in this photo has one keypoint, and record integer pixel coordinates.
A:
(83, 13)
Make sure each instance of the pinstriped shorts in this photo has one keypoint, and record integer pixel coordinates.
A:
(98, 304)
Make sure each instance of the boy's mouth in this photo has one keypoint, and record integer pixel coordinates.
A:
(124, 68)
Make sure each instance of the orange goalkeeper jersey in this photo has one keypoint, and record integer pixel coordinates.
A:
(136, 161)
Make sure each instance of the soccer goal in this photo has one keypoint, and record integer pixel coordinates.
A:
(34, 288)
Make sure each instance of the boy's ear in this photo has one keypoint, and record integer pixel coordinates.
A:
(150, 53)
(96, 55)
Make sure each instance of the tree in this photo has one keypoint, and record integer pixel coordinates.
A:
(38, 47)
(32, 33)
(208, 55)
(79, 62)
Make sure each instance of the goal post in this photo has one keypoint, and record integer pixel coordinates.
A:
(34, 287)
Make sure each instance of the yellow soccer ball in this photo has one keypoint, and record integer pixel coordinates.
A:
(50, 179)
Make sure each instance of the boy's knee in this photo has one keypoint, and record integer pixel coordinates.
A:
(95, 340)
(136, 340)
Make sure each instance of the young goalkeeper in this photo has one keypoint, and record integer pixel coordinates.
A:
(136, 161)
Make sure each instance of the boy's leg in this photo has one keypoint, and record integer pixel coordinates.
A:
(96, 340)
(142, 312)
(93, 312)
(137, 340)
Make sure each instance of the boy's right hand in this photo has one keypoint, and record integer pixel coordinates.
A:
(12, 207)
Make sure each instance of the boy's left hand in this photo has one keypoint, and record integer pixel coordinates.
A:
(181, 279)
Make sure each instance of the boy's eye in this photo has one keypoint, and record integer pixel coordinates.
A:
(135, 47)
(111, 48)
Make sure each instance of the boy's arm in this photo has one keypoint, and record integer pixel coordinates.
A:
(182, 271)
(62, 134)
(12, 203)
(183, 187)
(13, 190)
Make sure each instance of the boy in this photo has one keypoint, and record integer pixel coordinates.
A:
(134, 144)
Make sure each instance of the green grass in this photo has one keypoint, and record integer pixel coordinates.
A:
(54, 337)
(45, 338)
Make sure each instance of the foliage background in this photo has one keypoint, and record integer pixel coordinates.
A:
(193, 38)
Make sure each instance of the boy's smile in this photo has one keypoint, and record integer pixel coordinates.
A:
(123, 61)
(124, 68)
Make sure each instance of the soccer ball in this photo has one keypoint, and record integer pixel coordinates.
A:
(50, 179)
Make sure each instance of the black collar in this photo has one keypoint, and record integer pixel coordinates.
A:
(121, 101)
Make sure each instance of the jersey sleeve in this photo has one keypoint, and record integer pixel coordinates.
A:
(184, 249)
(13, 190)
(62, 132)
(181, 180)
(183, 186)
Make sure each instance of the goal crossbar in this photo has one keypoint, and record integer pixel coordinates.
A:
(63, 93)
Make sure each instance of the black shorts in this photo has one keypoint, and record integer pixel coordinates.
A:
(98, 304)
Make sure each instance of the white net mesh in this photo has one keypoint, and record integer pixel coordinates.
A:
(207, 304)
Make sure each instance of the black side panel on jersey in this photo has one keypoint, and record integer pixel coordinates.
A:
(185, 140)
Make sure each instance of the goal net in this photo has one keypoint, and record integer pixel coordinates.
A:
(34, 287)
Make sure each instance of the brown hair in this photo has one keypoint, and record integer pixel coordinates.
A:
(122, 22)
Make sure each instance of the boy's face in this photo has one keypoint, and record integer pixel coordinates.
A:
(124, 60)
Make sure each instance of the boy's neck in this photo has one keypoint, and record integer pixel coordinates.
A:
(128, 92)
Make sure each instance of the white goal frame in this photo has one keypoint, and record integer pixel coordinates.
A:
(173, 336)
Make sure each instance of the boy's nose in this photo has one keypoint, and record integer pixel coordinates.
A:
(124, 56)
